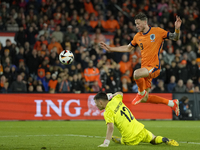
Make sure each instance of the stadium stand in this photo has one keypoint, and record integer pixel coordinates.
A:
(43, 28)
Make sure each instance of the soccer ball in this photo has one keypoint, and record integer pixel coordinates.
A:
(66, 57)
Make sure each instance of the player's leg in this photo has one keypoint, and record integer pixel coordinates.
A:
(135, 141)
(139, 77)
(160, 139)
(174, 104)
(157, 99)
(153, 98)
(151, 138)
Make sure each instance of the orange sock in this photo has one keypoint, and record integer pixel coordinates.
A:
(157, 100)
(141, 84)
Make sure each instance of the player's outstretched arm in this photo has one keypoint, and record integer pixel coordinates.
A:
(110, 129)
(125, 48)
(120, 93)
(176, 35)
(110, 95)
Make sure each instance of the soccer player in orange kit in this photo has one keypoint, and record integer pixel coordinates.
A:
(150, 40)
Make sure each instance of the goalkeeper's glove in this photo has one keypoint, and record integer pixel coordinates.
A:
(105, 143)
(109, 95)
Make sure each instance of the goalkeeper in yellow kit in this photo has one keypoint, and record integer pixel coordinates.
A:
(132, 131)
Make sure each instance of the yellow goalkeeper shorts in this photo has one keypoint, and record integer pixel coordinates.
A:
(144, 136)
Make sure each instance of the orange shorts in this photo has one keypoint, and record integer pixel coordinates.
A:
(153, 73)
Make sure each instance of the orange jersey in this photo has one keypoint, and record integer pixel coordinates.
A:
(150, 44)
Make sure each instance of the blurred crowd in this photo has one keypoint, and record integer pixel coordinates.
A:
(43, 28)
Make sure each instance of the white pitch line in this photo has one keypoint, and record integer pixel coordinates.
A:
(174, 126)
(90, 136)
(85, 136)
(190, 143)
(73, 126)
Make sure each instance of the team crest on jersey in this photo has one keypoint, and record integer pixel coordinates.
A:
(152, 37)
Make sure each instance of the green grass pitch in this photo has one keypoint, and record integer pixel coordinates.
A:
(87, 135)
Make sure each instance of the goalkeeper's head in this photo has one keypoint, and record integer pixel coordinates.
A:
(101, 100)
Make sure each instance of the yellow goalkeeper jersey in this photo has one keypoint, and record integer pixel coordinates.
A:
(118, 114)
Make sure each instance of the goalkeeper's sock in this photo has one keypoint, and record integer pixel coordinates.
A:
(165, 140)
(159, 139)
